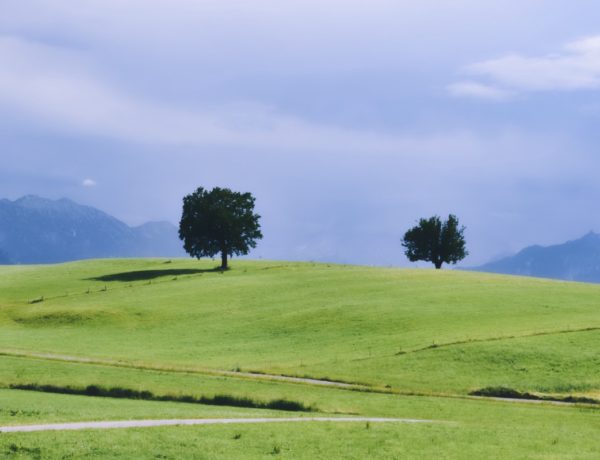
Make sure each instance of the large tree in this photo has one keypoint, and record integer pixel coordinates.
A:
(436, 241)
(219, 221)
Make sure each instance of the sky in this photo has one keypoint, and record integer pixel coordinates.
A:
(347, 120)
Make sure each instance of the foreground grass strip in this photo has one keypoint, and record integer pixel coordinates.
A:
(127, 393)
(509, 393)
(178, 422)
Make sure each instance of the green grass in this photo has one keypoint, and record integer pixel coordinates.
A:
(26, 407)
(480, 429)
(437, 335)
(266, 316)
(554, 363)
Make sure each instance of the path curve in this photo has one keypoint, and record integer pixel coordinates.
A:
(203, 421)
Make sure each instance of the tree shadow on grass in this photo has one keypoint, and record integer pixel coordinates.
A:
(145, 275)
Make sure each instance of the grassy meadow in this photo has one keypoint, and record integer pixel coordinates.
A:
(420, 341)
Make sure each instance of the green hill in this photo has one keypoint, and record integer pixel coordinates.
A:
(367, 325)
(181, 328)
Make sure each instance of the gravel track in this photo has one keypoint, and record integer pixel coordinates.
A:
(205, 421)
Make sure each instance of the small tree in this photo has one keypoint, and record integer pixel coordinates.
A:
(435, 241)
(219, 221)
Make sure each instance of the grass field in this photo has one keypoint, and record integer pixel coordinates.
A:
(420, 340)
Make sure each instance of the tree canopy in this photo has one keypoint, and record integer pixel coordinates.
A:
(219, 221)
(436, 241)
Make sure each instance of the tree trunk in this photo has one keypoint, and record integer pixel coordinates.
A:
(438, 265)
(223, 260)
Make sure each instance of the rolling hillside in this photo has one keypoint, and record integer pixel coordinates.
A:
(367, 325)
(400, 343)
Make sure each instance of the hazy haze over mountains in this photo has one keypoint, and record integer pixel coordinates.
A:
(38, 230)
(576, 260)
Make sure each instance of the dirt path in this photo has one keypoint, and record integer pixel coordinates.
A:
(492, 339)
(183, 370)
(205, 421)
(305, 380)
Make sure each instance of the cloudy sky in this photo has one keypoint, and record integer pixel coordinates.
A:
(348, 120)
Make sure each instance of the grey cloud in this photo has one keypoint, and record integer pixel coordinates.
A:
(334, 114)
(575, 67)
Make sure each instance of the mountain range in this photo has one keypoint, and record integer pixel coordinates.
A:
(576, 260)
(37, 230)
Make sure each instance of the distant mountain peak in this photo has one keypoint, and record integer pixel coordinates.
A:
(31, 199)
(40, 230)
(591, 235)
(41, 200)
(574, 260)
(35, 201)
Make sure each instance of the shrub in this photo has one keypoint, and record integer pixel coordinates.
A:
(128, 393)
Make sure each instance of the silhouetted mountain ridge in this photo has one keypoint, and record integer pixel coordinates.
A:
(39, 230)
(576, 260)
